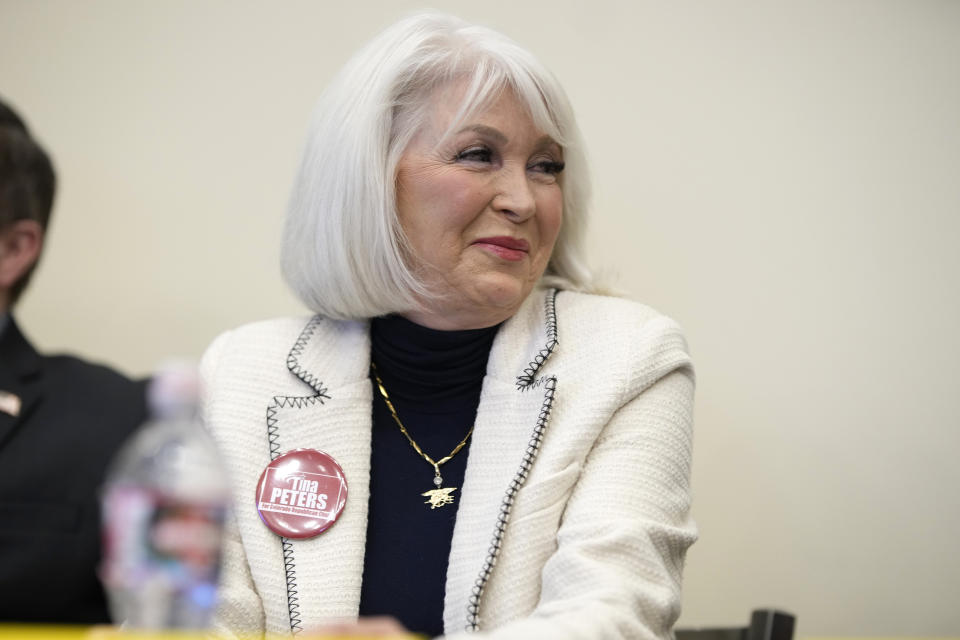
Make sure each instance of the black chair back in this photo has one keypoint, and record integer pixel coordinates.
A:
(765, 624)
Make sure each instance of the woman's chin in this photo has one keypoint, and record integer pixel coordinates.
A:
(486, 300)
(500, 294)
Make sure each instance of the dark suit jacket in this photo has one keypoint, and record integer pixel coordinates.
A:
(53, 457)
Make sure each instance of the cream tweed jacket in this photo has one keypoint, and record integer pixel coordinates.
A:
(573, 519)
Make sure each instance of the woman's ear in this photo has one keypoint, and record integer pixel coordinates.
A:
(20, 245)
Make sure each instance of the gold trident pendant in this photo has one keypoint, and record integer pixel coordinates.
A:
(441, 495)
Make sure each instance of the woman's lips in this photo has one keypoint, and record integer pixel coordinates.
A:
(508, 248)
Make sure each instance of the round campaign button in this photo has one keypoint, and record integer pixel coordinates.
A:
(301, 493)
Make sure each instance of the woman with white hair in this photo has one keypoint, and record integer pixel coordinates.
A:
(461, 437)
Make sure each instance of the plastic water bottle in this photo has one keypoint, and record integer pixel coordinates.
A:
(164, 506)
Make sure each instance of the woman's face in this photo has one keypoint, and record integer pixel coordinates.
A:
(481, 209)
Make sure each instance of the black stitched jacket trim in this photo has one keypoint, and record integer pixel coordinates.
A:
(273, 438)
(524, 382)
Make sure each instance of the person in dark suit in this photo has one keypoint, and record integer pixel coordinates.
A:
(61, 422)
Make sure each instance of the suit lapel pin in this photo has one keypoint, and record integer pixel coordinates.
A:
(9, 403)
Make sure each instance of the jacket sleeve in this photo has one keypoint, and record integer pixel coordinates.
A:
(239, 606)
(617, 568)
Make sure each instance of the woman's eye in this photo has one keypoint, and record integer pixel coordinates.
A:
(550, 167)
(475, 154)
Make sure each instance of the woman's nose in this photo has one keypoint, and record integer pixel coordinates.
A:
(514, 196)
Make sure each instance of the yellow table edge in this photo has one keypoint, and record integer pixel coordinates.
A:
(47, 632)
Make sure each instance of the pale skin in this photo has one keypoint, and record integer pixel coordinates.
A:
(20, 246)
(496, 177)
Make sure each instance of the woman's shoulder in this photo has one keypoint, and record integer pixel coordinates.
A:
(603, 316)
(264, 350)
(257, 346)
(272, 328)
(256, 339)
(619, 335)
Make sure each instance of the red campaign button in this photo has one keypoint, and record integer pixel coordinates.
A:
(301, 493)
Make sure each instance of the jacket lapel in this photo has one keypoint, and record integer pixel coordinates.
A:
(514, 405)
(20, 377)
(332, 359)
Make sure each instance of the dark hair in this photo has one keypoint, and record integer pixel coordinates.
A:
(27, 181)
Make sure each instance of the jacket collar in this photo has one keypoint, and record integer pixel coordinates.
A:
(522, 346)
(20, 359)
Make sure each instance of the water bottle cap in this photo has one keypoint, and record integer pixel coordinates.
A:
(174, 389)
(301, 493)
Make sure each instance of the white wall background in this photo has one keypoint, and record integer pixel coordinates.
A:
(783, 178)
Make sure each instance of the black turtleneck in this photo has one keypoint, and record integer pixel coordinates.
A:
(434, 379)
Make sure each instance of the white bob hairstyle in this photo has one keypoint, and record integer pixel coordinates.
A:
(344, 252)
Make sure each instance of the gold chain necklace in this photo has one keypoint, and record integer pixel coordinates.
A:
(441, 495)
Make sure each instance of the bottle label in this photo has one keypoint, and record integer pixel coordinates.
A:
(161, 557)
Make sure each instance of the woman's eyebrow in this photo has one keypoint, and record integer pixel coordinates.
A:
(498, 136)
(547, 141)
(495, 134)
